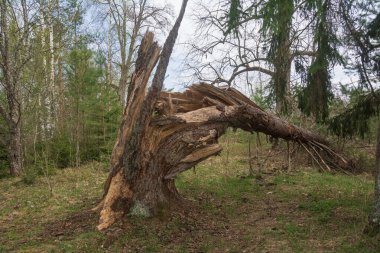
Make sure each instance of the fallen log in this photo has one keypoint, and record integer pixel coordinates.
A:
(163, 134)
(203, 104)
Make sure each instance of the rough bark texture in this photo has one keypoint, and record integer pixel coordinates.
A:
(163, 136)
(10, 82)
(136, 176)
(118, 195)
(14, 150)
(373, 227)
(282, 58)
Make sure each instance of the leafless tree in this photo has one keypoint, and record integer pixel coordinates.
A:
(15, 29)
(128, 19)
(242, 55)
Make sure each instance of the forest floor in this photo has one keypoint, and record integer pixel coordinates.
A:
(274, 210)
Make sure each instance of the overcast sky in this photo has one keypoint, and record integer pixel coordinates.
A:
(176, 77)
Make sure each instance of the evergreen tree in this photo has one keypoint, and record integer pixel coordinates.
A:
(363, 32)
(315, 97)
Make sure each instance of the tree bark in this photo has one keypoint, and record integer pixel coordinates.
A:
(60, 89)
(137, 173)
(374, 217)
(51, 85)
(109, 48)
(282, 61)
(184, 132)
(61, 95)
(10, 79)
(15, 150)
(163, 134)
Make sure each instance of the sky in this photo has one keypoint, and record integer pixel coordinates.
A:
(177, 77)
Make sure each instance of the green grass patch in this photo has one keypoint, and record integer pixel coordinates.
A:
(229, 211)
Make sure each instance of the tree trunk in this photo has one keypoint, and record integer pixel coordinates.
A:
(283, 59)
(46, 96)
(10, 78)
(60, 89)
(14, 55)
(138, 166)
(51, 86)
(374, 218)
(109, 49)
(163, 134)
(14, 149)
(126, 67)
(123, 84)
(61, 95)
(281, 78)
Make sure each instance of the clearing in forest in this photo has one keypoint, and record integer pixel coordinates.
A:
(226, 210)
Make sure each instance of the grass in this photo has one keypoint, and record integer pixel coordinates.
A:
(229, 211)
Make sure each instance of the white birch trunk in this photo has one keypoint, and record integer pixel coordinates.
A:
(52, 60)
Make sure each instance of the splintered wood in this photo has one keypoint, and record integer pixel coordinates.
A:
(158, 141)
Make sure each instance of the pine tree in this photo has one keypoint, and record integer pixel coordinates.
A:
(364, 34)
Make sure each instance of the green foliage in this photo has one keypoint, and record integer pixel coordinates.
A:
(29, 176)
(277, 23)
(233, 16)
(356, 119)
(315, 97)
(362, 32)
(261, 97)
(94, 106)
(92, 113)
(374, 33)
(4, 165)
(61, 150)
(277, 16)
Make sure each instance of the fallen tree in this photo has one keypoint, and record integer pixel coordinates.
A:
(163, 134)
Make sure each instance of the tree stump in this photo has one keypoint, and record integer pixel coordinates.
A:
(165, 133)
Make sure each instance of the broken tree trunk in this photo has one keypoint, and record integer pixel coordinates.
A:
(136, 170)
(163, 134)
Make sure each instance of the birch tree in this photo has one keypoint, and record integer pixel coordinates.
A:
(129, 18)
(15, 50)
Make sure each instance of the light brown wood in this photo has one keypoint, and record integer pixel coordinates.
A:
(164, 134)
